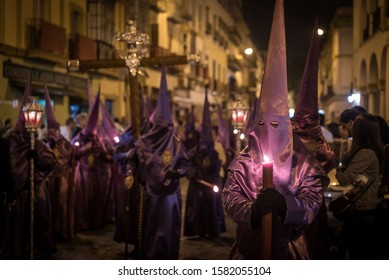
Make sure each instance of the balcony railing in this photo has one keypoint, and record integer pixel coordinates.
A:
(81, 47)
(233, 63)
(216, 36)
(105, 50)
(208, 28)
(158, 51)
(46, 36)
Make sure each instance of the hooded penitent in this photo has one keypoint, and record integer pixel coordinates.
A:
(61, 182)
(204, 211)
(91, 176)
(93, 116)
(191, 135)
(160, 153)
(306, 124)
(296, 173)
(223, 130)
(271, 133)
(206, 140)
(15, 242)
(306, 120)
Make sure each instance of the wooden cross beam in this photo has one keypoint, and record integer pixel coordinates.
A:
(83, 65)
(137, 45)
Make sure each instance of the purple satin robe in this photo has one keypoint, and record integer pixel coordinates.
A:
(158, 152)
(127, 202)
(204, 215)
(60, 184)
(307, 128)
(303, 197)
(91, 182)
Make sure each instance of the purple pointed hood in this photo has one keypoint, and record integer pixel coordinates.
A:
(94, 116)
(253, 113)
(107, 123)
(148, 108)
(306, 120)
(26, 97)
(271, 133)
(223, 130)
(190, 122)
(206, 139)
(163, 110)
(50, 117)
(91, 97)
(307, 99)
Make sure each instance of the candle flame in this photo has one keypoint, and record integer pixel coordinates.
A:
(117, 140)
(77, 144)
(266, 158)
(215, 188)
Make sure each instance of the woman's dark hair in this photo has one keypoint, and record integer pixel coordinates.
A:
(366, 135)
(348, 114)
(333, 127)
(359, 109)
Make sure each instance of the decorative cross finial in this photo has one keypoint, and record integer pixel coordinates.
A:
(137, 46)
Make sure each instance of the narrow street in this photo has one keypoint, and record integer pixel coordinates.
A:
(99, 245)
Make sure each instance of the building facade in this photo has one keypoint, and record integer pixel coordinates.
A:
(38, 36)
(371, 41)
(353, 63)
(336, 65)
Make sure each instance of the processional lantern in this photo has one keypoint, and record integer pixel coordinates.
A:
(32, 115)
(239, 111)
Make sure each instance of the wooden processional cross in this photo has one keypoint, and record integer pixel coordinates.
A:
(137, 46)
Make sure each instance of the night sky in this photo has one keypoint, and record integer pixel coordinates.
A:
(299, 19)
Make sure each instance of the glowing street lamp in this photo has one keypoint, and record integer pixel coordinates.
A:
(248, 51)
(32, 115)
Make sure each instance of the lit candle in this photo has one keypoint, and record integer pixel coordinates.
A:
(266, 221)
(267, 172)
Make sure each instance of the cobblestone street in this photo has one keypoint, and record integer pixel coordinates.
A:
(99, 245)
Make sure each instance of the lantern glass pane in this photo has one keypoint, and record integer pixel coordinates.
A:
(26, 117)
(32, 116)
(38, 118)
